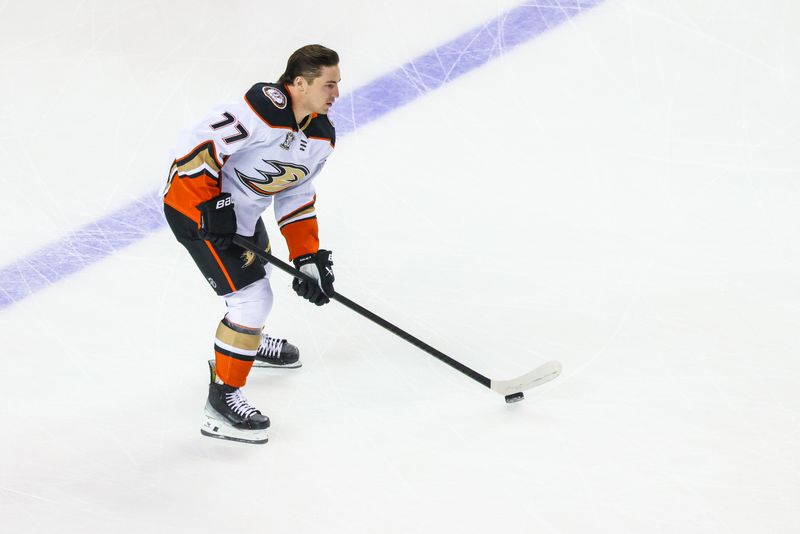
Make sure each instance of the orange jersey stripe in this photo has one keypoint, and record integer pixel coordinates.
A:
(186, 193)
(302, 237)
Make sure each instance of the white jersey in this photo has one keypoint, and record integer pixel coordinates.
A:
(254, 149)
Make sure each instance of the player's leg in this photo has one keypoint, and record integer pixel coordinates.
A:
(248, 306)
(228, 414)
(234, 274)
(273, 352)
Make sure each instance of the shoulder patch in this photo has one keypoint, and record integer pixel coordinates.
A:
(272, 105)
(275, 95)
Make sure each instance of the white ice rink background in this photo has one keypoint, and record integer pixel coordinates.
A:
(614, 186)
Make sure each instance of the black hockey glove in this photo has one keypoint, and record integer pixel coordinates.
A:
(318, 266)
(218, 221)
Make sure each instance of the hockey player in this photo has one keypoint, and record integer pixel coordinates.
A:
(263, 149)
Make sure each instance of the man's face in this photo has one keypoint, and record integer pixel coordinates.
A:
(323, 90)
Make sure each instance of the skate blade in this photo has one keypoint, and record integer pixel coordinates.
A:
(231, 438)
(214, 428)
(267, 365)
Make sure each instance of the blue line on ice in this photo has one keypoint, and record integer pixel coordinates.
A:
(365, 104)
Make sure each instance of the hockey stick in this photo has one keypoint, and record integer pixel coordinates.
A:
(511, 389)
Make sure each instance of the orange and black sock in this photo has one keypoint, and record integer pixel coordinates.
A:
(235, 349)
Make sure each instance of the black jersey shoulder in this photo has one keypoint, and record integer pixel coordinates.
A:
(321, 127)
(271, 102)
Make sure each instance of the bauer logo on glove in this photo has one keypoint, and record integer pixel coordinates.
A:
(217, 221)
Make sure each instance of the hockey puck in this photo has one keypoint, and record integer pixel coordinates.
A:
(514, 397)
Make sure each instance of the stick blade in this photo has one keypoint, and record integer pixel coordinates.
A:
(541, 375)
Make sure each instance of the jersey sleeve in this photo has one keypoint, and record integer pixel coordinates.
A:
(297, 219)
(202, 150)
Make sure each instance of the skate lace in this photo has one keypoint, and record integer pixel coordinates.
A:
(239, 404)
(270, 346)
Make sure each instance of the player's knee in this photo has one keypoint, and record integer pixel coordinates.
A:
(250, 305)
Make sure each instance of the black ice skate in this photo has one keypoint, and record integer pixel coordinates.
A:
(228, 415)
(275, 352)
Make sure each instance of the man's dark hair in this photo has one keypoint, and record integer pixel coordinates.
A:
(308, 62)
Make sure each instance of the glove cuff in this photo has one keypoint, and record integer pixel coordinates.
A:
(305, 259)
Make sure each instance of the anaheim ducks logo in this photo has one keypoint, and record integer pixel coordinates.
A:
(249, 258)
(275, 179)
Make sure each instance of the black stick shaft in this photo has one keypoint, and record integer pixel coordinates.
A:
(285, 267)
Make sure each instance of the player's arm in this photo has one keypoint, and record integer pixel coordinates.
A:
(296, 215)
(194, 187)
(200, 154)
(297, 218)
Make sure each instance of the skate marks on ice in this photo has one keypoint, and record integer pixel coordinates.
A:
(138, 219)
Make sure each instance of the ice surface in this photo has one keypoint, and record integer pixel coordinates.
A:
(620, 194)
